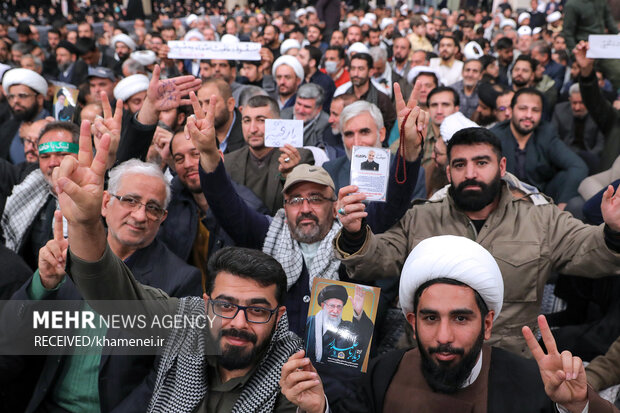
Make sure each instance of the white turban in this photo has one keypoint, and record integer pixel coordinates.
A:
(524, 31)
(386, 22)
(454, 123)
(131, 85)
(229, 39)
(554, 17)
(456, 258)
(289, 44)
(123, 38)
(191, 19)
(523, 16)
(508, 22)
(144, 57)
(371, 16)
(194, 34)
(24, 77)
(536, 30)
(289, 61)
(472, 50)
(300, 12)
(311, 9)
(416, 70)
(366, 21)
(357, 47)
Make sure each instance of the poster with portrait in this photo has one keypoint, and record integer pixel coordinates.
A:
(369, 171)
(340, 323)
(65, 102)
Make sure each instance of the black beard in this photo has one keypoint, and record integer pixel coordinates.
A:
(27, 115)
(521, 130)
(400, 60)
(519, 83)
(442, 377)
(439, 179)
(475, 200)
(236, 358)
(484, 120)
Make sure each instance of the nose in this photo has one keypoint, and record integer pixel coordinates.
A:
(444, 332)
(188, 162)
(239, 322)
(139, 214)
(55, 161)
(470, 171)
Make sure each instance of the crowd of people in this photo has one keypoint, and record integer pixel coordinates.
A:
(502, 204)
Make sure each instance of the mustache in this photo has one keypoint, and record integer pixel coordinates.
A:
(242, 334)
(446, 348)
(470, 182)
(307, 215)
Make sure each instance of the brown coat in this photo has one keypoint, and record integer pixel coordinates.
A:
(528, 242)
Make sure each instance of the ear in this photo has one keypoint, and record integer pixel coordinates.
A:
(180, 118)
(382, 134)
(502, 166)
(280, 313)
(411, 320)
(104, 205)
(164, 217)
(488, 324)
(231, 104)
(448, 172)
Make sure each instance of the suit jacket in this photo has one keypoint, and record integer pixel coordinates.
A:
(593, 139)
(236, 165)
(235, 138)
(313, 133)
(125, 381)
(550, 165)
(7, 131)
(77, 75)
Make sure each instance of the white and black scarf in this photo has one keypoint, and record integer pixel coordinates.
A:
(281, 246)
(182, 381)
(22, 207)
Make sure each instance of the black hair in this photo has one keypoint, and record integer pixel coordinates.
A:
(72, 128)
(525, 58)
(526, 91)
(482, 306)
(364, 56)
(472, 136)
(339, 49)
(504, 43)
(315, 54)
(486, 60)
(456, 99)
(456, 42)
(247, 263)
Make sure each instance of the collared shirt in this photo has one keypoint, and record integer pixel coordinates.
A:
(384, 82)
(468, 104)
(224, 143)
(448, 74)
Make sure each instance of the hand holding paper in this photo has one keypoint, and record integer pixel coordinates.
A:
(351, 210)
(585, 64)
(279, 132)
(289, 159)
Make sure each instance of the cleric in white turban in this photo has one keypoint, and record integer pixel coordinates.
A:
(132, 91)
(456, 258)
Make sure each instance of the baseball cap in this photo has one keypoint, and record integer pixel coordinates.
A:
(308, 173)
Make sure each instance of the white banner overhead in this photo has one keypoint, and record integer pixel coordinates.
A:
(214, 50)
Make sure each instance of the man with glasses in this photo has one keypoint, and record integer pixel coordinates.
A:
(26, 91)
(133, 208)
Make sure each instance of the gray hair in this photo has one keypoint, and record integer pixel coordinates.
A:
(137, 167)
(378, 53)
(133, 66)
(359, 107)
(312, 91)
(574, 88)
(248, 92)
(37, 62)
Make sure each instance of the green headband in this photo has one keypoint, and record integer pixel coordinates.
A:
(50, 147)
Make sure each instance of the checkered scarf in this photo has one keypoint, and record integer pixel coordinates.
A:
(21, 208)
(182, 381)
(280, 245)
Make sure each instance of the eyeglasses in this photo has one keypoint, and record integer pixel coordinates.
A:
(256, 315)
(312, 200)
(502, 108)
(153, 211)
(21, 96)
(334, 306)
(32, 141)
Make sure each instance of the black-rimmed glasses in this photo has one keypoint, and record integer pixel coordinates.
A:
(253, 314)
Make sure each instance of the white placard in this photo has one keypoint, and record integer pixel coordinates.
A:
(369, 171)
(279, 132)
(604, 46)
(214, 50)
